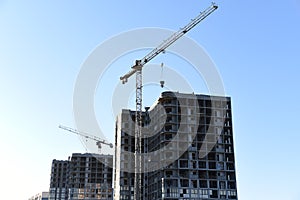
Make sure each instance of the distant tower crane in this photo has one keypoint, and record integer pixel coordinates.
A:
(98, 140)
(137, 69)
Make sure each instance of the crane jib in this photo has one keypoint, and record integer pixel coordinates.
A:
(163, 46)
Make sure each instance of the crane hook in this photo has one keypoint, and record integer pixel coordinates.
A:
(161, 76)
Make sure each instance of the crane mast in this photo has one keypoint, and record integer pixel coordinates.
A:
(137, 69)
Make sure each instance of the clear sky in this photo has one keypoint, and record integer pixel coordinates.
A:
(254, 44)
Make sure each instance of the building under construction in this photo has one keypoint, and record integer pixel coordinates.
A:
(83, 176)
(187, 148)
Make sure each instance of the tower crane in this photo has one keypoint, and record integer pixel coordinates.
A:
(98, 140)
(137, 69)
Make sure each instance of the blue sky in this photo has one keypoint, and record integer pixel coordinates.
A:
(254, 44)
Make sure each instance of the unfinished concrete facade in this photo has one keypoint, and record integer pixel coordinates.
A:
(59, 180)
(83, 176)
(90, 177)
(197, 162)
(124, 156)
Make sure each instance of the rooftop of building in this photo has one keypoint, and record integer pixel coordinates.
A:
(172, 94)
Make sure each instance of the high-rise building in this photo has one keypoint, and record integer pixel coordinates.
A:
(188, 149)
(124, 172)
(59, 180)
(91, 177)
(83, 176)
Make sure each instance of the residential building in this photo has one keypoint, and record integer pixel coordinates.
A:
(82, 176)
(188, 143)
(59, 180)
(91, 177)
